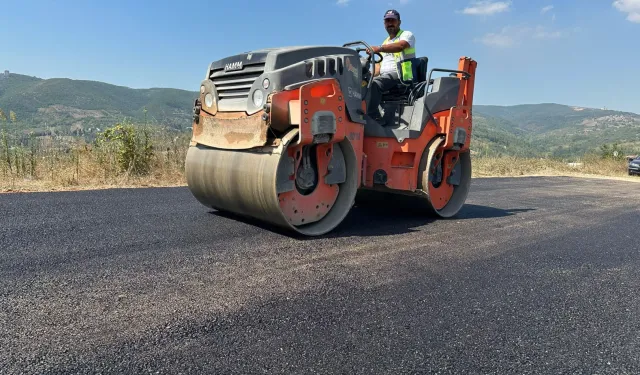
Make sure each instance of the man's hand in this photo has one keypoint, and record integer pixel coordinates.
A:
(374, 49)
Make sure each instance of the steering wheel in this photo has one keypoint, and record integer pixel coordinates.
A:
(370, 55)
(371, 61)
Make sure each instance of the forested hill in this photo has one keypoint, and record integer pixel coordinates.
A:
(67, 105)
(78, 107)
(554, 129)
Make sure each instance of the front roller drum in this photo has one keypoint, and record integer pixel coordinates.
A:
(308, 189)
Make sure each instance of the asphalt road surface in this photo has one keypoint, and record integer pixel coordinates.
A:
(535, 275)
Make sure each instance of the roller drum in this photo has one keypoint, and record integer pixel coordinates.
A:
(241, 182)
(426, 198)
(456, 193)
(244, 182)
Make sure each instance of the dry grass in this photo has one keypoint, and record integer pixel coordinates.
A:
(59, 163)
(589, 166)
(65, 163)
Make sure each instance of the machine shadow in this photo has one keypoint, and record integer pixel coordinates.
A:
(381, 220)
(366, 221)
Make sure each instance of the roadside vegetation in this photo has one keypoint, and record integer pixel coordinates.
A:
(610, 161)
(134, 155)
(124, 155)
(513, 166)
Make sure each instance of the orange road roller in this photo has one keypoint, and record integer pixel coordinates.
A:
(282, 135)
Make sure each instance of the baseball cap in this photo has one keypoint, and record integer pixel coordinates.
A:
(392, 13)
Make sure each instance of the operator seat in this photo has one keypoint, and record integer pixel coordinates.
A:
(400, 92)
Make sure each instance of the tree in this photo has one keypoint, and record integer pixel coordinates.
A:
(5, 141)
(611, 151)
(12, 116)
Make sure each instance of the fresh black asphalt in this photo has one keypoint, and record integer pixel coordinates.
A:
(535, 275)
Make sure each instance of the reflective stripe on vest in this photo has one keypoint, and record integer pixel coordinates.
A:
(407, 53)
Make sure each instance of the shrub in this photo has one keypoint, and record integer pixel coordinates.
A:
(131, 145)
(611, 152)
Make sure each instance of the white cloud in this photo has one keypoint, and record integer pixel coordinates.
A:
(516, 35)
(342, 2)
(631, 7)
(501, 39)
(487, 7)
(541, 33)
(401, 2)
(546, 9)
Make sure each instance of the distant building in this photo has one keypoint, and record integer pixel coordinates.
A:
(6, 74)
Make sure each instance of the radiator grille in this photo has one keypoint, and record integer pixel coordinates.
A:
(235, 85)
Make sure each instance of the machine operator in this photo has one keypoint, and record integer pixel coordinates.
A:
(399, 45)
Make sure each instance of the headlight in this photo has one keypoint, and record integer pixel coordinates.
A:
(257, 98)
(208, 100)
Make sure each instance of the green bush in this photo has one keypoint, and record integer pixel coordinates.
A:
(132, 146)
(614, 152)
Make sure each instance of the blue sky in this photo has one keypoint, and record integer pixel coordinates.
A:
(576, 52)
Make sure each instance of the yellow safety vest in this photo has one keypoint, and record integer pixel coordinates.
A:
(403, 56)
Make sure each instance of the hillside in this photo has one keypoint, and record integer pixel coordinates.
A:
(540, 118)
(493, 136)
(562, 131)
(78, 107)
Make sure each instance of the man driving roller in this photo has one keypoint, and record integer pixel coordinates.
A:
(400, 45)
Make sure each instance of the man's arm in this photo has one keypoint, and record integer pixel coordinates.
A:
(391, 47)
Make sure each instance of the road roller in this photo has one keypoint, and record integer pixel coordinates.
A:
(282, 135)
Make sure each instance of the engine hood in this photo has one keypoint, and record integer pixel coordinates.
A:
(245, 58)
(276, 58)
(241, 82)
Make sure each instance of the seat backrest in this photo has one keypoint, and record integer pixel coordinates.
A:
(419, 65)
(421, 75)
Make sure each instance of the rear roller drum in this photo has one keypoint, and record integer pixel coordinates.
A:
(309, 189)
(445, 177)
